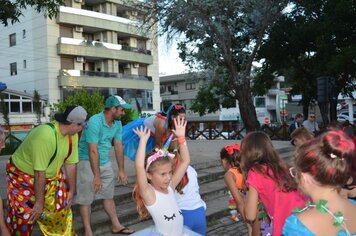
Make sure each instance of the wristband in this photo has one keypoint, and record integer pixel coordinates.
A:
(181, 141)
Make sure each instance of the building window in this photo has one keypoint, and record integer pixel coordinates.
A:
(24, 64)
(13, 68)
(24, 34)
(12, 38)
(14, 107)
(260, 102)
(162, 89)
(189, 86)
(26, 107)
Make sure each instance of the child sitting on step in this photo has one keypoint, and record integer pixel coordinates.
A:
(154, 193)
(234, 181)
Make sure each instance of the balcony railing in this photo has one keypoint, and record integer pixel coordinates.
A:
(65, 72)
(91, 43)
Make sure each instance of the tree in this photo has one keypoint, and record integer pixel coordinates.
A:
(221, 37)
(12, 10)
(5, 111)
(37, 106)
(92, 103)
(316, 38)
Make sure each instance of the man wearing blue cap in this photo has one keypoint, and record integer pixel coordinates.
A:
(96, 178)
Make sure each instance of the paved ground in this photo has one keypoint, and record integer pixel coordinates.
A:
(200, 151)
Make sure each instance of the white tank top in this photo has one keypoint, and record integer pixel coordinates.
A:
(166, 214)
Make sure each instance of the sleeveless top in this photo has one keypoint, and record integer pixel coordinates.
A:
(238, 178)
(166, 214)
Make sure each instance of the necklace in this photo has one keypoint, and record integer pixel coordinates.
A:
(339, 219)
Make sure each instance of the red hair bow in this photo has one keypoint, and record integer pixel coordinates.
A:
(178, 107)
(231, 148)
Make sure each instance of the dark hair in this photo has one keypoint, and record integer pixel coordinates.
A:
(258, 153)
(233, 159)
(328, 158)
(174, 111)
(298, 115)
(302, 133)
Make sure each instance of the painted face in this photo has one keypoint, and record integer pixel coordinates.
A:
(161, 176)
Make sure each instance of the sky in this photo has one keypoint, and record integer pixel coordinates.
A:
(169, 61)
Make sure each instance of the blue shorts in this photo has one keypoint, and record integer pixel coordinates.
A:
(195, 220)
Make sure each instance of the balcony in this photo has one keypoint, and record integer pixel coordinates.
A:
(79, 78)
(81, 47)
(102, 21)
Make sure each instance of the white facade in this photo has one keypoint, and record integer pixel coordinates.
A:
(113, 54)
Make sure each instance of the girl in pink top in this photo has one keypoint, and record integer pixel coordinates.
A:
(268, 179)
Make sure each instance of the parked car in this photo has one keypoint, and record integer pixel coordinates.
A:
(346, 113)
(342, 118)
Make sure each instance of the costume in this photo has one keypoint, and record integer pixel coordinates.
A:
(278, 204)
(240, 186)
(192, 206)
(131, 140)
(294, 226)
(167, 217)
(98, 132)
(43, 144)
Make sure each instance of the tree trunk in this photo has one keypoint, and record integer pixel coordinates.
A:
(247, 109)
(324, 113)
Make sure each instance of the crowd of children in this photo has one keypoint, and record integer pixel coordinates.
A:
(315, 196)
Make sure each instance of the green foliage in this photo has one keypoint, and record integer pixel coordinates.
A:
(12, 10)
(221, 37)
(92, 103)
(316, 38)
(37, 106)
(4, 110)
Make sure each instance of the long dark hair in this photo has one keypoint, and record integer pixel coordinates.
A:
(231, 155)
(258, 153)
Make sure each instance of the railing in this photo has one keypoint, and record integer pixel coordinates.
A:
(65, 72)
(214, 130)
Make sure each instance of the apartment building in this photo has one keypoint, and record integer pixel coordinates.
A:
(183, 88)
(91, 44)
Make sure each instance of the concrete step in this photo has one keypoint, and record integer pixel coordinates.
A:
(217, 208)
(123, 194)
(128, 215)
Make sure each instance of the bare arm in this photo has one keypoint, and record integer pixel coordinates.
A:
(119, 154)
(159, 131)
(145, 191)
(179, 132)
(251, 205)
(71, 172)
(95, 166)
(40, 183)
(231, 185)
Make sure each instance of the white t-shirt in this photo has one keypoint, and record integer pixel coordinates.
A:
(190, 199)
(166, 214)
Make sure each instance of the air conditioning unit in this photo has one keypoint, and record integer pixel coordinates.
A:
(79, 59)
(78, 1)
(78, 29)
(136, 65)
(134, 13)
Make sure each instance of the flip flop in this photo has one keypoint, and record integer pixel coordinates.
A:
(125, 231)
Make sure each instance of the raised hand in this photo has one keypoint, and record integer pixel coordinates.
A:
(143, 132)
(180, 124)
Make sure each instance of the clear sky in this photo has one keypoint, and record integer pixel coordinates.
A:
(169, 61)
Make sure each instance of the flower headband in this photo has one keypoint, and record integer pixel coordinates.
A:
(176, 107)
(161, 153)
(231, 148)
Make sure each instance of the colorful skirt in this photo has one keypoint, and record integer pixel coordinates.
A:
(130, 140)
(56, 219)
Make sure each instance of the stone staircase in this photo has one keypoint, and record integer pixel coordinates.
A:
(212, 190)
